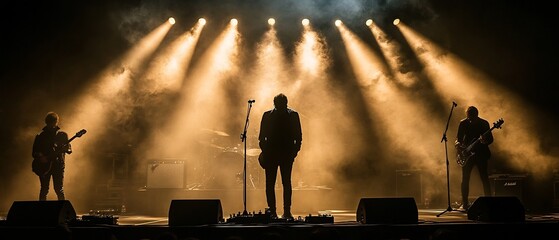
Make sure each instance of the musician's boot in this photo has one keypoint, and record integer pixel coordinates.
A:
(287, 213)
(272, 212)
(465, 205)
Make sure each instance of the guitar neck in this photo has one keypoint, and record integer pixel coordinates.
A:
(485, 133)
(69, 140)
(479, 138)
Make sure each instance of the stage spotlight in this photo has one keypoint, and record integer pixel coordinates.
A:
(338, 22)
(202, 21)
(172, 21)
(305, 22)
(369, 22)
(396, 21)
(271, 21)
(234, 22)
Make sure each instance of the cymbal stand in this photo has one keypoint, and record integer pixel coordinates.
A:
(243, 139)
(449, 208)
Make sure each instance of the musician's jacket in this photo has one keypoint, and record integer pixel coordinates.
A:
(469, 131)
(53, 143)
(280, 134)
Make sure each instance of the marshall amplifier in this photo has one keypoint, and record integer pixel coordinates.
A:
(166, 173)
(556, 189)
(556, 194)
(508, 185)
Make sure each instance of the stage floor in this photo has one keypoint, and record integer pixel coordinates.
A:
(425, 216)
(431, 224)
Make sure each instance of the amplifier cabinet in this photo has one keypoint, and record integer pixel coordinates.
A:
(556, 193)
(409, 184)
(509, 185)
(166, 174)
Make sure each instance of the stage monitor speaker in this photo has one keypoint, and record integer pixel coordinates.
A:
(188, 212)
(387, 210)
(40, 213)
(497, 209)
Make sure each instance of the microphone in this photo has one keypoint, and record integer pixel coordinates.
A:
(453, 103)
(251, 100)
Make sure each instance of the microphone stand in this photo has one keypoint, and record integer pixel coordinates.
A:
(449, 208)
(243, 139)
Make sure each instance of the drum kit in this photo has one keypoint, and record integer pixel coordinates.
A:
(224, 167)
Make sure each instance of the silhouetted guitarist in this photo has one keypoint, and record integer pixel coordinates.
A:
(471, 129)
(49, 150)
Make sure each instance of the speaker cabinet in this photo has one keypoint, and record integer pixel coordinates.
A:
(387, 210)
(508, 185)
(40, 213)
(497, 209)
(409, 184)
(190, 212)
(556, 193)
(166, 174)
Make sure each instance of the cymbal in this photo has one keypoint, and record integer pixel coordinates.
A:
(253, 152)
(215, 132)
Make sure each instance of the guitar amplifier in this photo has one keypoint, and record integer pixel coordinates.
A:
(409, 184)
(556, 191)
(166, 174)
(508, 185)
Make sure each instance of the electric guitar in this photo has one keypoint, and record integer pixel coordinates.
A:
(42, 165)
(465, 152)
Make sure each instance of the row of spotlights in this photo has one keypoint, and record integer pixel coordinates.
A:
(272, 21)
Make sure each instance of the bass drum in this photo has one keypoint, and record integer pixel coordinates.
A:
(224, 171)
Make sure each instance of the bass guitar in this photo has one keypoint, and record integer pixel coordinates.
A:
(465, 152)
(43, 164)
